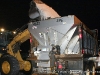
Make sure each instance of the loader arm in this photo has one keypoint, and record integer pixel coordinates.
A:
(13, 56)
(20, 38)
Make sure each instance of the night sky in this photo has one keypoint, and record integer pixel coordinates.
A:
(14, 13)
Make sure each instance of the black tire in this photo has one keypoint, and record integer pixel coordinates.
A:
(90, 68)
(13, 63)
(30, 72)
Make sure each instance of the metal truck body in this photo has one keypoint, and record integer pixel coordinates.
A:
(65, 45)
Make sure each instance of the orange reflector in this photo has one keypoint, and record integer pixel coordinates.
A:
(83, 51)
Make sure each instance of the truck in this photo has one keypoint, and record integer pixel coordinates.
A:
(65, 46)
(58, 45)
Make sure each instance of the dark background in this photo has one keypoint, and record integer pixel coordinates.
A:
(14, 13)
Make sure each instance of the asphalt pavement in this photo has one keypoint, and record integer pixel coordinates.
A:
(97, 71)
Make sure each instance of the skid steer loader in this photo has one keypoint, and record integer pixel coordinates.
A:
(11, 62)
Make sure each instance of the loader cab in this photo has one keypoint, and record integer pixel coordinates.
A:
(5, 38)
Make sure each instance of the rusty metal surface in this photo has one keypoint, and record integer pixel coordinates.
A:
(69, 56)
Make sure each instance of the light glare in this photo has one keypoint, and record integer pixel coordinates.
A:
(2, 29)
(14, 32)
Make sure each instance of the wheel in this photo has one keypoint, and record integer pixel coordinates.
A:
(9, 65)
(93, 69)
(87, 72)
(90, 70)
(26, 71)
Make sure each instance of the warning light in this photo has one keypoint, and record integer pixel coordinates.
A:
(80, 35)
(60, 65)
(83, 51)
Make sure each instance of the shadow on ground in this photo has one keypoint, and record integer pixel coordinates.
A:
(97, 71)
